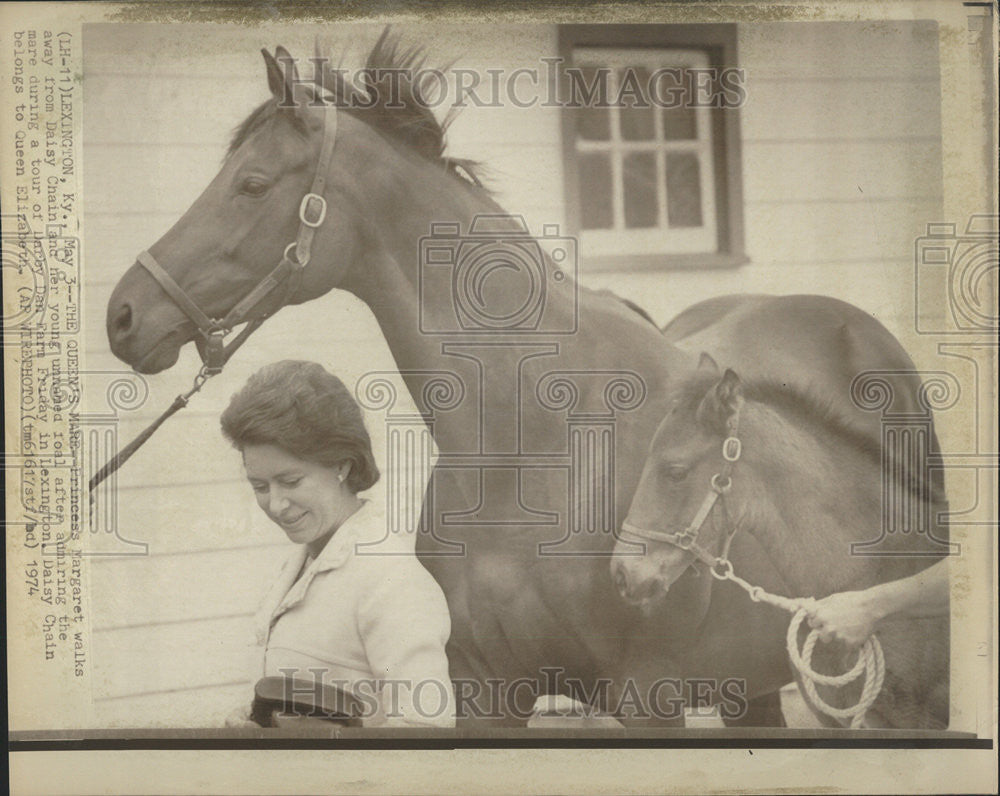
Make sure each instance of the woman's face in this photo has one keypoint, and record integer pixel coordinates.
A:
(306, 499)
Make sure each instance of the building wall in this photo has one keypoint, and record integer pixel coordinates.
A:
(841, 168)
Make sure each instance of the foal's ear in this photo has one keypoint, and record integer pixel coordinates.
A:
(721, 402)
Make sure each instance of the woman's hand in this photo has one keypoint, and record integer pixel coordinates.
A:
(851, 616)
(240, 717)
(848, 617)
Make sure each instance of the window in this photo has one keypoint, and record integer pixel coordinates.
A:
(651, 144)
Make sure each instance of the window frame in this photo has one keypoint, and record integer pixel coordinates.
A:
(718, 42)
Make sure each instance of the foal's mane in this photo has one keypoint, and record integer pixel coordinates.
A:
(387, 99)
(796, 402)
(806, 406)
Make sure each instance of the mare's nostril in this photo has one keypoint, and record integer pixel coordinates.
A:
(123, 321)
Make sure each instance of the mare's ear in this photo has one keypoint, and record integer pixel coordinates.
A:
(282, 74)
(705, 362)
(721, 402)
(282, 78)
(275, 76)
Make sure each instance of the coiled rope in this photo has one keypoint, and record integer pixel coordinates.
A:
(870, 662)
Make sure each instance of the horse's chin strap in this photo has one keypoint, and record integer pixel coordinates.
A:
(720, 484)
(212, 348)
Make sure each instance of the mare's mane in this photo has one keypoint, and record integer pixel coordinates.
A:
(388, 99)
(394, 106)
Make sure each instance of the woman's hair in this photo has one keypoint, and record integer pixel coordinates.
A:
(308, 412)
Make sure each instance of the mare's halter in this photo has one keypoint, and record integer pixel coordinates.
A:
(312, 212)
(288, 274)
(720, 483)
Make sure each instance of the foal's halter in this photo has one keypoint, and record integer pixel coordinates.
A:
(720, 484)
(870, 662)
(212, 347)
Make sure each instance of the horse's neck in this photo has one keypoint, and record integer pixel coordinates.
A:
(813, 495)
(406, 197)
(409, 195)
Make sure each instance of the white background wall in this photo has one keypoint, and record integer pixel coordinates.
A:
(841, 169)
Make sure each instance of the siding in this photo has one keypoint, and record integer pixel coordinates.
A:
(841, 168)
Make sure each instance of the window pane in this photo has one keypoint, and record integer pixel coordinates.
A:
(683, 190)
(592, 123)
(595, 192)
(679, 124)
(639, 177)
(635, 111)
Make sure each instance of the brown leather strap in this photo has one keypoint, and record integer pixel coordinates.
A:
(126, 453)
(289, 267)
(720, 483)
(181, 299)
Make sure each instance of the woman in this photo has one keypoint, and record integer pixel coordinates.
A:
(352, 606)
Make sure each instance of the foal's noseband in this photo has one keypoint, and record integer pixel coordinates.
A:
(312, 212)
(720, 483)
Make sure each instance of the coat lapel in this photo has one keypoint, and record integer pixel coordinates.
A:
(289, 589)
(268, 610)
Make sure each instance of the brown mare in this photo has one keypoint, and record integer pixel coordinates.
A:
(805, 485)
(529, 588)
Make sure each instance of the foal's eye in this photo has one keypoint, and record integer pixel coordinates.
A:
(677, 472)
(254, 186)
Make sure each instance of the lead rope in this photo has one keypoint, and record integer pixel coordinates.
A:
(870, 663)
(204, 374)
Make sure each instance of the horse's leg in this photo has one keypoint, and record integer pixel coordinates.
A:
(647, 689)
(761, 711)
(478, 703)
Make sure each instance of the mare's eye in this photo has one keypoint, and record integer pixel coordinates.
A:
(254, 186)
(677, 472)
